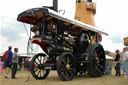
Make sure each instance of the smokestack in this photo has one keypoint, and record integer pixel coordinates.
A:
(55, 5)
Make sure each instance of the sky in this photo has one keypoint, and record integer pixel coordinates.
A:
(111, 16)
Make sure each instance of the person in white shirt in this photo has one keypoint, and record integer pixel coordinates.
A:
(125, 61)
(15, 63)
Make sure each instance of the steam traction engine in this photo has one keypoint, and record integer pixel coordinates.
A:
(71, 46)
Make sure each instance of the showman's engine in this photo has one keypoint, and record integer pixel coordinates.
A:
(71, 46)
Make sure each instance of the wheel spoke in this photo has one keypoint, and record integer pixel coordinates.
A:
(35, 69)
(43, 61)
(40, 59)
(68, 59)
(64, 71)
(71, 65)
(69, 74)
(38, 73)
(66, 74)
(99, 65)
(98, 49)
(97, 68)
(36, 63)
(64, 62)
(100, 53)
(63, 68)
(43, 71)
(37, 60)
(70, 71)
(94, 55)
(101, 60)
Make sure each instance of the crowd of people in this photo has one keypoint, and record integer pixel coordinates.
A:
(121, 62)
(9, 61)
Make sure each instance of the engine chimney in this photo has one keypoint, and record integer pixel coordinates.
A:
(55, 5)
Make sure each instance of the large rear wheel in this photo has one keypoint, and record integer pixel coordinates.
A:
(66, 66)
(37, 68)
(97, 60)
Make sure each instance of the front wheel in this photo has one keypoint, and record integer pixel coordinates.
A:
(66, 66)
(37, 68)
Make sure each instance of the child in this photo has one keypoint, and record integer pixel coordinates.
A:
(1, 65)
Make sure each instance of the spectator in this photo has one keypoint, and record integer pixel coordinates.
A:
(117, 61)
(7, 61)
(14, 63)
(1, 65)
(27, 64)
(122, 62)
(125, 62)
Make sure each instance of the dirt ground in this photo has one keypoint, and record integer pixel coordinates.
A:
(53, 79)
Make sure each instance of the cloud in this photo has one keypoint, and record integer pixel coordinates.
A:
(12, 29)
(21, 43)
(112, 17)
(108, 44)
(13, 33)
(118, 37)
(4, 44)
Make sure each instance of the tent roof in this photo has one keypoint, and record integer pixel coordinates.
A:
(109, 57)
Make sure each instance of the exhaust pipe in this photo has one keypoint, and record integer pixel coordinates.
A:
(81, 0)
(55, 5)
(89, 0)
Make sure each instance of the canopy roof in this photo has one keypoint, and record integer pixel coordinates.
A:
(109, 57)
(32, 16)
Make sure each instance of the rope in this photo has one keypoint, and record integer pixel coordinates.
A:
(30, 49)
(26, 30)
(28, 78)
(30, 45)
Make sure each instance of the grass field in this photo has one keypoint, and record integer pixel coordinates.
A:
(53, 79)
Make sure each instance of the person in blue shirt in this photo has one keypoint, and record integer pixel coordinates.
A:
(10, 56)
(8, 62)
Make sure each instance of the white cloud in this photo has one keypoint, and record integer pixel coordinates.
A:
(110, 46)
(4, 44)
(19, 43)
(112, 17)
(14, 7)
